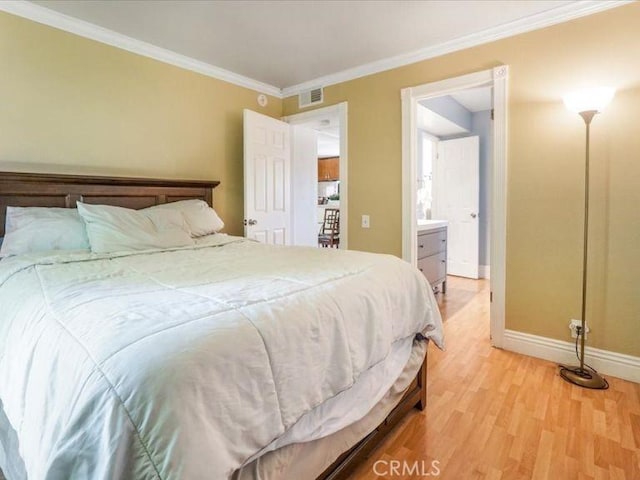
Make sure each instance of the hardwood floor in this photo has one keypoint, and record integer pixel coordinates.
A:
(493, 414)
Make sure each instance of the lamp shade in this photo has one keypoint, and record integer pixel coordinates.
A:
(589, 99)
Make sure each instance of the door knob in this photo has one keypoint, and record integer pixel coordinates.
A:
(473, 215)
(251, 221)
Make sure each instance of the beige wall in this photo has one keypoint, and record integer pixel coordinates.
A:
(545, 180)
(68, 104)
(72, 105)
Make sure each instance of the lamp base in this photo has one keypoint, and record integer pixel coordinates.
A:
(583, 377)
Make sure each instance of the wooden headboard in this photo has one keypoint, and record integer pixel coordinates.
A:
(48, 190)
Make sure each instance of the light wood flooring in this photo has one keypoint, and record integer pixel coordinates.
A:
(493, 414)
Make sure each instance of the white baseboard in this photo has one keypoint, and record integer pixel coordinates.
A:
(618, 365)
(484, 271)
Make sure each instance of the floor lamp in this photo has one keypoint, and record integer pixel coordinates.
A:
(586, 103)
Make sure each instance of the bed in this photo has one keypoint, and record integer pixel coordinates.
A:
(222, 359)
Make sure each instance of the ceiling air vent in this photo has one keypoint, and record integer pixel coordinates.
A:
(314, 96)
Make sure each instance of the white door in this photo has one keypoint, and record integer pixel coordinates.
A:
(267, 171)
(304, 185)
(456, 198)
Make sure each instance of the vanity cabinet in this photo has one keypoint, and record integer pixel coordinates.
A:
(432, 256)
(328, 169)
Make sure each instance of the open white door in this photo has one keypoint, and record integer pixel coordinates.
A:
(456, 198)
(267, 171)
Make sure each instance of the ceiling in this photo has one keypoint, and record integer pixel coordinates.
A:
(287, 43)
(436, 124)
(327, 127)
(474, 99)
(329, 142)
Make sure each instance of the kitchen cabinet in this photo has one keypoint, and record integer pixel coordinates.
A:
(432, 256)
(328, 169)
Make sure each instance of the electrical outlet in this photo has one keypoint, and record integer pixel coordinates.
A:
(574, 331)
(365, 221)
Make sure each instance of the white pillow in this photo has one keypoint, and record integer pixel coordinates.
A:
(40, 229)
(200, 217)
(112, 229)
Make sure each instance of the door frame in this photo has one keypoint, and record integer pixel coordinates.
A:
(341, 109)
(498, 78)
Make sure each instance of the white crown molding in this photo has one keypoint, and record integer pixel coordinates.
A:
(73, 25)
(618, 365)
(526, 24)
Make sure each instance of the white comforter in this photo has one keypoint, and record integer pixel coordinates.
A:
(183, 364)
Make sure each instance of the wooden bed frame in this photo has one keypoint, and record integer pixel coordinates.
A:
(45, 190)
(51, 190)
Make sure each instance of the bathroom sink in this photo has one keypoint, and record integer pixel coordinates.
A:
(424, 225)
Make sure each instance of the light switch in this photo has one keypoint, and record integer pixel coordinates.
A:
(365, 221)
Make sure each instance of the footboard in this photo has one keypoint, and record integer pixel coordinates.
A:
(414, 397)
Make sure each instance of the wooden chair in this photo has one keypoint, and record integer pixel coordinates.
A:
(329, 235)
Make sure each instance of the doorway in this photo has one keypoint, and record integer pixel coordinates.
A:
(329, 191)
(495, 78)
(454, 148)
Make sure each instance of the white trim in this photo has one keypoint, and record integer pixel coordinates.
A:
(342, 110)
(532, 22)
(498, 189)
(79, 27)
(344, 174)
(484, 271)
(497, 77)
(89, 30)
(409, 175)
(606, 362)
(450, 85)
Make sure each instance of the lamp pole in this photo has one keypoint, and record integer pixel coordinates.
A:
(587, 116)
(581, 376)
